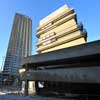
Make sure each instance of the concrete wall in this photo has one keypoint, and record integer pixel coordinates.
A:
(67, 23)
(72, 43)
(92, 48)
(53, 15)
(90, 74)
(62, 27)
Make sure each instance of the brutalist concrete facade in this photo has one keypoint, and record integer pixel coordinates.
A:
(73, 70)
(59, 30)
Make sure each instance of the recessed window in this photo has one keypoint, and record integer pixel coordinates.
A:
(48, 35)
(49, 41)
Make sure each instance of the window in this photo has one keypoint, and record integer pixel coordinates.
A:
(47, 38)
(49, 41)
(48, 35)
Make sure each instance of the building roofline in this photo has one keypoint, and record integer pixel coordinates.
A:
(22, 15)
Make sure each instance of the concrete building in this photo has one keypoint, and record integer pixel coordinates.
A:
(71, 72)
(59, 30)
(20, 44)
(0, 78)
(66, 65)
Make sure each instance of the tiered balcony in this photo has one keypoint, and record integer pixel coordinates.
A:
(58, 21)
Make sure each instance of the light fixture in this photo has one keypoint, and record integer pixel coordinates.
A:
(21, 70)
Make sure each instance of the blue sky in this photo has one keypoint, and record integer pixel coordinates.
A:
(88, 12)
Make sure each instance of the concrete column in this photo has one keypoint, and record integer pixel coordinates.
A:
(26, 88)
(36, 87)
(32, 89)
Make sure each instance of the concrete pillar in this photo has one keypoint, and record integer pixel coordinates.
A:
(36, 87)
(32, 89)
(26, 88)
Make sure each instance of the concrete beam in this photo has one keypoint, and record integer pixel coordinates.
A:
(88, 49)
(82, 74)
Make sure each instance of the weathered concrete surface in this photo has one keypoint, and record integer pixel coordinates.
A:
(86, 73)
(91, 48)
(82, 74)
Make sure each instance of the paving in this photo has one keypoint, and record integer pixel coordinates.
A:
(13, 93)
(4, 96)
